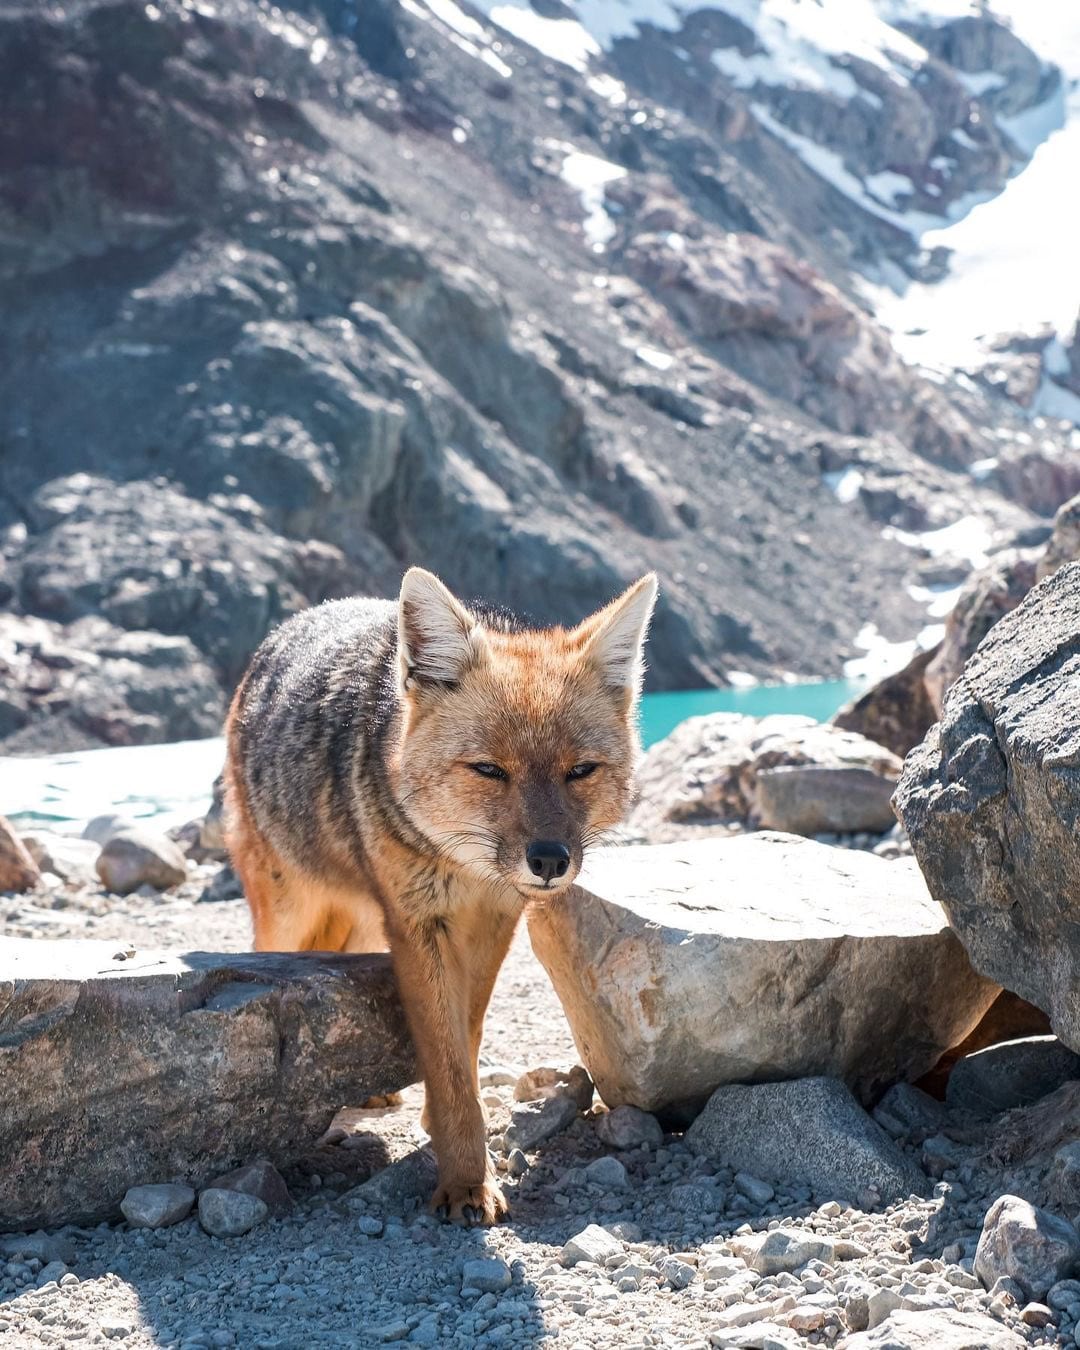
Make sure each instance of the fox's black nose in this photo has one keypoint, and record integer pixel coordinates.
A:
(547, 859)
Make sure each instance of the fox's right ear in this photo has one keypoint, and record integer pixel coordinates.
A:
(437, 636)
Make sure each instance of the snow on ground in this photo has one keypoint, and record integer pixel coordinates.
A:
(588, 175)
(562, 40)
(845, 483)
(881, 657)
(1015, 264)
(968, 539)
(650, 356)
(799, 44)
(939, 600)
(462, 30)
(802, 43)
(742, 679)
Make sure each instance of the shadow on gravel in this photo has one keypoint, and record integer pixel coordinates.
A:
(353, 1266)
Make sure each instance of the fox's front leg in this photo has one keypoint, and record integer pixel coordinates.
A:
(433, 980)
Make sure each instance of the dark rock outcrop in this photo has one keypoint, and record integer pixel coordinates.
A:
(994, 591)
(897, 712)
(89, 683)
(992, 797)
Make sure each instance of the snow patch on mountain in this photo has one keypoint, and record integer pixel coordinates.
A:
(876, 194)
(798, 44)
(1013, 266)
(588, 175)
(1013, 262)
(464, 31)
(802, 45)
(563, 40)
(790, 44)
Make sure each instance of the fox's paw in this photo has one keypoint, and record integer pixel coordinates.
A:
(382, 1100)
(473, 1206)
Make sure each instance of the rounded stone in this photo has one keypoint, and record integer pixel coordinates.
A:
(158, 1206)
(230, 1213)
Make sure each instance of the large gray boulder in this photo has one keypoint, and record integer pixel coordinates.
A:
(812, 1131)
(808, 799)
(991, 800)
(120, 1068)
(713, 770)
(685, 966)
(65, 855)
(89, 683)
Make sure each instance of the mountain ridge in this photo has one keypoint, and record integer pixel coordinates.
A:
(310, 286)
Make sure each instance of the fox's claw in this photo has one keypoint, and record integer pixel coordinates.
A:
(473, 1206)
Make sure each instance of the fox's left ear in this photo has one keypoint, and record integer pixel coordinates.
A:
(616, 635)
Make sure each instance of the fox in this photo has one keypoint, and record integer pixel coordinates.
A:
(412, 775)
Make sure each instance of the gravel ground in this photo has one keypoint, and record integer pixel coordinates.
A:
(352, 1268)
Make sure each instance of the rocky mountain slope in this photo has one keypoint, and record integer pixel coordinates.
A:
(536, 297)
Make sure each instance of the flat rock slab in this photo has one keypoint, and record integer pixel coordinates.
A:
(991, 800)
(685, 966)
(121, 1069)
(815, 799)
(941, 1329)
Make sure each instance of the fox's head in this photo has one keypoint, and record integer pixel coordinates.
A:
(517, 746)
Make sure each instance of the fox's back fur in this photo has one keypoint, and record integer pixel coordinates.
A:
(309, 727)
(411, 774)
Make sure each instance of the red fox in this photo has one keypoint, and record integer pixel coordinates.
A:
(411, 775)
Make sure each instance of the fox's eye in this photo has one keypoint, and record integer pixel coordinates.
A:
(581, 771)
(486, 770)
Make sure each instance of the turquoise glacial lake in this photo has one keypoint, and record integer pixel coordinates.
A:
(662, 713)
(169, 784)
